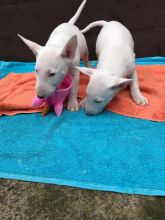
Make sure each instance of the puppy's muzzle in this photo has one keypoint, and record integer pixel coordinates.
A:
(92, 113)
(40, 97)
(89, 113)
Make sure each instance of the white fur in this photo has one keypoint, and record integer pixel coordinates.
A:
(63, 50)
(115, 69)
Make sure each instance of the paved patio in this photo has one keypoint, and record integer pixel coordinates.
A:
(23, 200)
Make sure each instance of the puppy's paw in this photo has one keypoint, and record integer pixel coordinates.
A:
(73, 106)
(82, 104)
(141, 100)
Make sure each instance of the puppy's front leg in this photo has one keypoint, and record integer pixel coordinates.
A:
(72, 102)
(82, 104)
(135, 91)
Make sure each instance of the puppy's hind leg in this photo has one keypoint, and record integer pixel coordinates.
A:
(86, 58)
(135, 91)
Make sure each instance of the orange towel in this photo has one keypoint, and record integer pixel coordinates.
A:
(16, 94)
(152, 85)
(18, 91)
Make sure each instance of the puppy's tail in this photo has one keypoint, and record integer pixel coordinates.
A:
(94, 24)
(76, 16)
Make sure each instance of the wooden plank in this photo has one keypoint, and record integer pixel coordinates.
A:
(35, 19)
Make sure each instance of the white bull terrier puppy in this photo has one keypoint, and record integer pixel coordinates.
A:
(115, 70)
(63, 50)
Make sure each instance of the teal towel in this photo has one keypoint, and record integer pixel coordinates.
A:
(104, 152)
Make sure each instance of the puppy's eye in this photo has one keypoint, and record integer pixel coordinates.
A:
(52, 74)
(115, 87)
(98, 100)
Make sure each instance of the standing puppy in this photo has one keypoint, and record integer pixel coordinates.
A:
(115, 70)
(63, 50)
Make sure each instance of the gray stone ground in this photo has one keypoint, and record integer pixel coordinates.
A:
(23, 200)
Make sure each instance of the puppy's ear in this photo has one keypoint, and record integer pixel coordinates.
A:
(70, 47)
(120, 83)
(85, 70)
(32, 45)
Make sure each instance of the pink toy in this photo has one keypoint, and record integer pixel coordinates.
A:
(57, 99)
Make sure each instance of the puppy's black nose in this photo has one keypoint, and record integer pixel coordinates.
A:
(40, 97)
(89, 113)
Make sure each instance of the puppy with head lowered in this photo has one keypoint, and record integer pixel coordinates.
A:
(116, 68)
(63, 50)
